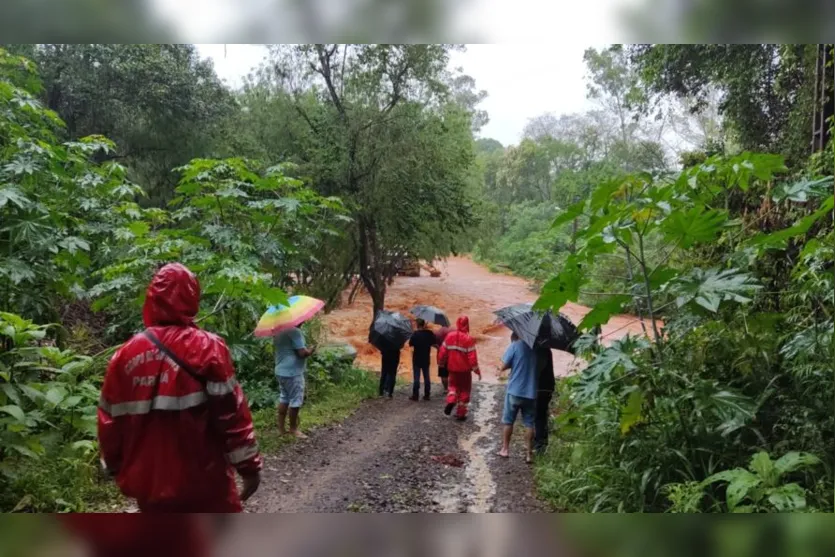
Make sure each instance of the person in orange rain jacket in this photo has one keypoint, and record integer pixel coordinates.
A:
(458, 355)
(173, 422)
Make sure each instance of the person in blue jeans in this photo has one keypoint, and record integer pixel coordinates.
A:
(520, 359)
(291, 355)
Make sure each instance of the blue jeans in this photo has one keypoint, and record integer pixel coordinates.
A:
(291, 391)
(417, 370)
(513, 405)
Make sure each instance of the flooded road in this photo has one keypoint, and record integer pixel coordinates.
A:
(464, 288)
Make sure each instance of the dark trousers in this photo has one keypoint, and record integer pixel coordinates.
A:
(388, 374)
(543, 406)
(417, 369)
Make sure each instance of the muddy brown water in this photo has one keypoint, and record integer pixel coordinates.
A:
(464, 288)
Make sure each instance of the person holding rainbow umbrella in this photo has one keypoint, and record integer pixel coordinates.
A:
(291, 352)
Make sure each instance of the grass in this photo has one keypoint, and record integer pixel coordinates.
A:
(60, 485)
(332, 404)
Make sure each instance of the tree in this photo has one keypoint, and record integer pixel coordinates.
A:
(531, 170)
(488, 145)
(464, 93)
(616, 85)
(383, 133)
(766, 88)
(542, 126)
(160, 103)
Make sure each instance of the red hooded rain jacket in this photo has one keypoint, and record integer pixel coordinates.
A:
(458, 353)
(174, 442)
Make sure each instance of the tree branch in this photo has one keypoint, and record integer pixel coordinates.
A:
(326, 71)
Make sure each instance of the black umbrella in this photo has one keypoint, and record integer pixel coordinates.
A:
(522, 320)
(390, 331)
(539, 328)
(431, 314)
(558, 332)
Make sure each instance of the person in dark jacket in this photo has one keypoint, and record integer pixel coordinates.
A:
(545, 385)
(421, 342)
(388, 373)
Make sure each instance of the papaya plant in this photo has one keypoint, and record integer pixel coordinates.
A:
(58, 203)
(248, 233)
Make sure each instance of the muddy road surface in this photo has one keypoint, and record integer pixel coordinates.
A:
(397, 455)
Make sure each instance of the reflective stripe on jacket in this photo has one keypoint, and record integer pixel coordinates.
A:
(458, 352)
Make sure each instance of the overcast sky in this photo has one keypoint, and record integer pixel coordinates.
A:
(522, 80)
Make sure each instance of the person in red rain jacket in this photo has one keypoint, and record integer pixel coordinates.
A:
(458, 355)
(173, 437)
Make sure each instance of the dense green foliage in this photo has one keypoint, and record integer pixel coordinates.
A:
(727, 404)
(256, 210)
(160, 103)
(652, 426)
(768, 88)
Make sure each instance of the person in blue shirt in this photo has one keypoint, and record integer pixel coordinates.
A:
(291, 354)
(520, 359)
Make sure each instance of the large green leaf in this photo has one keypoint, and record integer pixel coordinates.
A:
(14, 411)
(17, 271)
(659, 277)
(601, 312)
(779, 239)
(73, 244)
(696, 225)
(595, 377)
(562, 288)
(10, 392)
(10, 195)
(804, 190)
(571, 213)
(709, 288)
(794, 460)
(740, 482)
(733, 409)
(787, 498)
(56, 395)
(630, 413)
(762, 465)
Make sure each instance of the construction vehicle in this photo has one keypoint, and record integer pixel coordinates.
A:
(409, 266)
(433, 272)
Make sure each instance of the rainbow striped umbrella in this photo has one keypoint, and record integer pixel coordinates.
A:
(279, 318)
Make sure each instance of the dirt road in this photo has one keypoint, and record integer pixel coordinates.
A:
(403, 456)
(395, 455)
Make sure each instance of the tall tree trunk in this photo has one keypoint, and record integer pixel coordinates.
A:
(371, 264)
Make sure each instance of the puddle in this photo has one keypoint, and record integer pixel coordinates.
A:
(480, 480)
